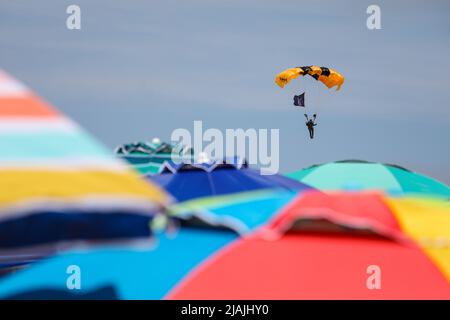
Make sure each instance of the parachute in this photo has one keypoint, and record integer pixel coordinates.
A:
(327, 76)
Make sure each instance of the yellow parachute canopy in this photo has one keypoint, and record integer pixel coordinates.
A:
(327, 76)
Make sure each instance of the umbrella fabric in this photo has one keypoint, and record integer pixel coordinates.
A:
(227, 193)
(147, 158)
(245, 211)
(103, 293)
(321, 247)
(131, 274)
(427, 221)
(363, 175)
(58, 184)
(145, 165)
(190, 181)
(169, 261)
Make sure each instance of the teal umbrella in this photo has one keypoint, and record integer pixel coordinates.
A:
(147, 157)
(364, 175)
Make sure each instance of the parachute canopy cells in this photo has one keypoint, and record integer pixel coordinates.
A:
(327, 76)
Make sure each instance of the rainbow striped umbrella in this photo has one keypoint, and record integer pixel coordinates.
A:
(363, 175)
(333, 246)
(58, 185)
(207, 225)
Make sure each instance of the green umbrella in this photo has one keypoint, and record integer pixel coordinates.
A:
(147, 164)
(364, 175)
(147, 157)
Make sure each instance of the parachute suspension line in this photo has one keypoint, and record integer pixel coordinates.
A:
(319, 102)
(307, 97)
(316, 92)
(319, 91)
(328, 78)
(313, 99)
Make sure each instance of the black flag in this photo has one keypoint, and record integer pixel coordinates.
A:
(299, 100)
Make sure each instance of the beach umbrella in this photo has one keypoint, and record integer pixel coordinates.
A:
(333, 246)
(59, 186)
(207, 225)
(363, 175)
(120, 272)
(427, 221)
(245, 211)
(226, 192)
(147, 157)
(187, 181)
(318, 246)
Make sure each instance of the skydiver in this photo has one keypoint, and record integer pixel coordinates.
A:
(310, 123)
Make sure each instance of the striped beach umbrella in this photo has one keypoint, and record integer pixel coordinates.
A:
(58, 185)
(207, 225)
(320, 246)
(147, 157)
(334, 246)
(363, 175)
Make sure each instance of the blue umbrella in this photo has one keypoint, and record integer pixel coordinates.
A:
(207, 225)
(187, 181)
(151, 274)
(119, 272)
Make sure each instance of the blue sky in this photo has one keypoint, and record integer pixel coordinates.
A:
(139, 69)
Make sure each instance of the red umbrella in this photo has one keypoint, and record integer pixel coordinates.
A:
(321, 247)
